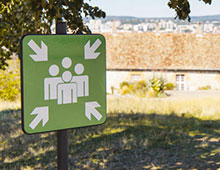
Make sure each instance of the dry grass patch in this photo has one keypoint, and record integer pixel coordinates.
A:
(131, 140)
(6, 105)
(203, 107)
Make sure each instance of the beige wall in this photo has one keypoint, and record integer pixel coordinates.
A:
(192, 80)
(196, 80)
(114, 78)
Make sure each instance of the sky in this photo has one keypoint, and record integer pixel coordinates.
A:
(152, 8)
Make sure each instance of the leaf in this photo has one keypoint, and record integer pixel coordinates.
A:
(20, 17)
(182, 8)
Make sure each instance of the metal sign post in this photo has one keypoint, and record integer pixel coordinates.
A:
(62, 136)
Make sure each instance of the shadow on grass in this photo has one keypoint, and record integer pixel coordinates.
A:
(125, 141)
(20, 151)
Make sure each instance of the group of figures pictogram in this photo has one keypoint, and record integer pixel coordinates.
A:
(67, 88)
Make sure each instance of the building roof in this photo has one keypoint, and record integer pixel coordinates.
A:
(165, 51)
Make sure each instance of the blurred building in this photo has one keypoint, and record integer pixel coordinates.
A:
(187, 60)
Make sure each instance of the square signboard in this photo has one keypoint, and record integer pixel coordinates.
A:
(63, 82)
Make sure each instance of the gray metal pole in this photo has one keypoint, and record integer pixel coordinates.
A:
(62, 138)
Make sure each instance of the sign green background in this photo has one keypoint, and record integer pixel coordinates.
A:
(62, 116)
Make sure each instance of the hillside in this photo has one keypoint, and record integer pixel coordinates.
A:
(131, 18)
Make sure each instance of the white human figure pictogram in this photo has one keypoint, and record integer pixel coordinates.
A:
(81, 81)
(66, 62)
(50, 84)
(67, 91)
(67, 88)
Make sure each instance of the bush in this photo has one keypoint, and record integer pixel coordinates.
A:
(124, 88)
(124, 83)
(208, 87)
(157, 85)
(169, 86)
(141, 88)
(154, 88)
(141, 84)
(9, 85)
(127, 88)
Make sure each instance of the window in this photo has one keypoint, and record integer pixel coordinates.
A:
(180, 82)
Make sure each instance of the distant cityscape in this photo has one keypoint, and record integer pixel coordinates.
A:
(208, 24)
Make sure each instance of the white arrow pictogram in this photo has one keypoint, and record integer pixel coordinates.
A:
(91, 110)
(89, 52)
(42, 114)
(41, 53)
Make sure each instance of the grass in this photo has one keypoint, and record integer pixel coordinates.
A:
(129, 140)
(207, 107)
(6, 105)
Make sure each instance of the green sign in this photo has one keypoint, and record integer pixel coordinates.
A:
(63, 82)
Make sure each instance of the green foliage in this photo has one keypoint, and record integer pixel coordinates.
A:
(141, 88)
(20, 17)
(141, 84)
(182, 8)
(126, 88)
(153, 88)
(157, 85)
(169, 86)
(10, 82)
(124, 83)
(208, 87)
(9, 85)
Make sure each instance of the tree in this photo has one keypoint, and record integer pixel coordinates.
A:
(20, 17)
(182, 8)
